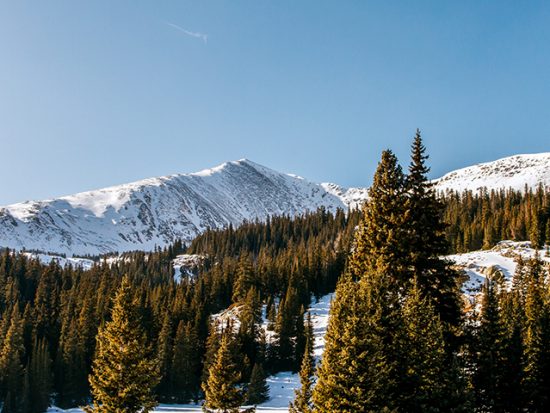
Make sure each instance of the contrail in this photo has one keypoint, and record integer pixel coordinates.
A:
(198, 35)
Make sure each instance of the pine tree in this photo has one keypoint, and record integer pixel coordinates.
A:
(185, 364)
(38, 380)
(357, 373)
(245, 278)
(11, 368)
(379, 241)
(512, 362)
(302, 401)
(488, 377)
(164, 356)
(423, 381)
(258, 390)
(124, 371)
(426, 240)
(536, 336)
(250, 317)
(221, 390)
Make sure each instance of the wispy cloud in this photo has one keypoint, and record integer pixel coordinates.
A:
(197, 35)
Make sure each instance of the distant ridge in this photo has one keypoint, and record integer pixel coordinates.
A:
(513, 172)
(156, 211)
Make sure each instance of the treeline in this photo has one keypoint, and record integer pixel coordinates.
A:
(50, 316)
(480, 220)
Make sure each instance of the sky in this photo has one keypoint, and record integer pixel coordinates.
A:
(99, 93)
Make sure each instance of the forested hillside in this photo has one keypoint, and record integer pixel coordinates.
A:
(51, 315)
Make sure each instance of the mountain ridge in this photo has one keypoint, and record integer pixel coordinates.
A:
(155, 211)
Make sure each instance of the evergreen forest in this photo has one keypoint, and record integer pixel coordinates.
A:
(402, 337)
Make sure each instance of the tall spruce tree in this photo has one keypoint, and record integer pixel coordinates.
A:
(185, 364)
(426, 241)
(38, 380)
(222, 393)
(380, 241)
(513, 317)
(536, 337)
(164, 357)
(424, 372)
(124, 369)
(357, 371)
(11, 367)
(491, 335)
(303, 397)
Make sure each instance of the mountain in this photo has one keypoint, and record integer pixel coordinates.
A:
(154, 212)
(513, 172)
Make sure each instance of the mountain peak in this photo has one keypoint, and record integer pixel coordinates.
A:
(156, 211)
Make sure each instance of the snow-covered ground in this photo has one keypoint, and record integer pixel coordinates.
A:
(187, 265)
(502, 257)
(62, 261)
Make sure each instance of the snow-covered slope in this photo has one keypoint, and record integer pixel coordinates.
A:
(154, 212)
(352, 197)
(513, 172)
(502, 257)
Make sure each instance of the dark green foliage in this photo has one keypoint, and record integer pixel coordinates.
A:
(221, 389)
(490, 351)
(424, 379)
(426, 243)
(303, 397)
(380, 240)
(38, 380)
(356, 374)
(11, 367)
(185, 366)
(124, 371)
(480, 220)
(164, 357)
(536, 338)
(64, 307)
(391, 342)
(284, 263)
(258, 390)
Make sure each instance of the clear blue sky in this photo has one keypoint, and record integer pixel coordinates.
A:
(104, 92)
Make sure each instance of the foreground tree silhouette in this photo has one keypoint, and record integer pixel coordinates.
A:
(124, 372)
(258, 390)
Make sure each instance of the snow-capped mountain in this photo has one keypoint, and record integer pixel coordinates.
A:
(154, 212)
(513, 172)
